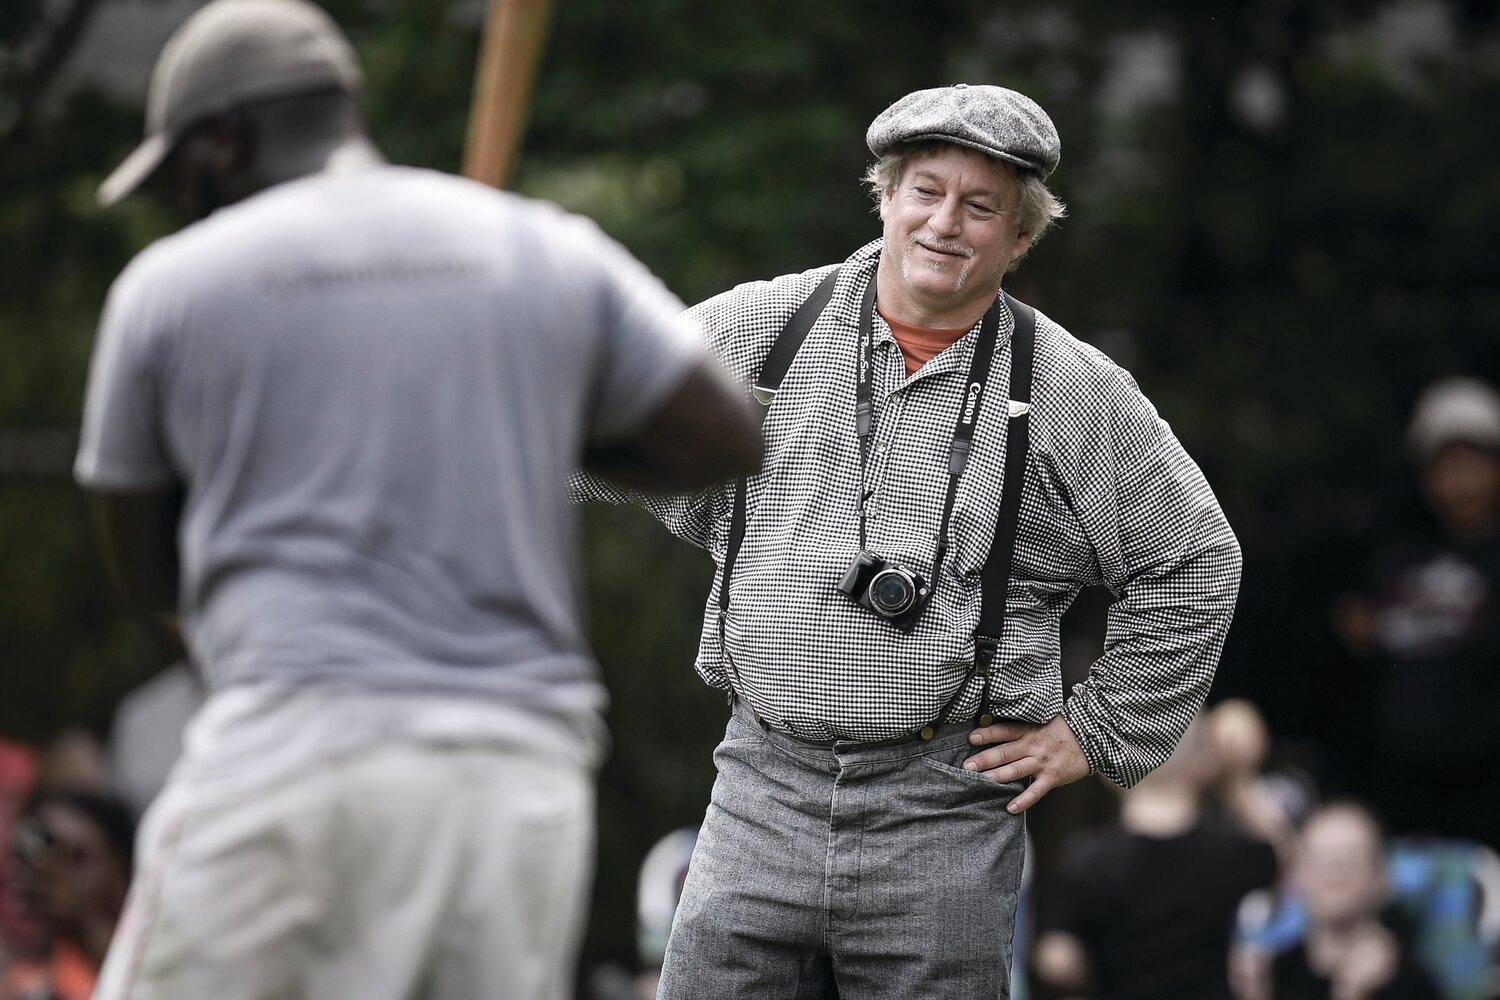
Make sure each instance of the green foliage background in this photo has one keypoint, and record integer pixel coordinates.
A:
(1281, 280)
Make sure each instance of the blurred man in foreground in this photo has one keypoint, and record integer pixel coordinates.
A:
(946, 470)
(343, 406)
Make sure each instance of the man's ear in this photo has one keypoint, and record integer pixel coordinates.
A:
(885, 200)
(233, 143)
(214, 163)
(1022, 244)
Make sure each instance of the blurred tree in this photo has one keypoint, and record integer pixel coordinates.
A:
(67, 655)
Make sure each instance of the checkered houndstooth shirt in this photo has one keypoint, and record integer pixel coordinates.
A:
(1110, 498)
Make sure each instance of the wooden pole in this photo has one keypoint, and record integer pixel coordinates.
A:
(514, 33)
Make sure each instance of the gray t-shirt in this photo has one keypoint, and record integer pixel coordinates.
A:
(373, 386)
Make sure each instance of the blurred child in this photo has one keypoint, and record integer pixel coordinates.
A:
(1348, 952)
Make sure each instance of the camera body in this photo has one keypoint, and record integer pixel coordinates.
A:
(889, 589)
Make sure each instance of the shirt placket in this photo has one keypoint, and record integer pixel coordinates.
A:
(892, 391)
(890, 381)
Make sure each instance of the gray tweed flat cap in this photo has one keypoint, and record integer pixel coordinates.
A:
(993, 120)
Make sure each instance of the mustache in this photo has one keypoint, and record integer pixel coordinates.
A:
(941, 245)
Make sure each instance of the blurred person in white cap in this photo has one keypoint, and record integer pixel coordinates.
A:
(1425, 619)
(946, 469)
(1455, 437)
(330, 425)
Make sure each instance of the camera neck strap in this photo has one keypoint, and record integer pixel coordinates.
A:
(963, 431)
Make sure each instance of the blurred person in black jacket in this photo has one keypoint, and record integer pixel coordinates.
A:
(1425, 619)
(1143, 910)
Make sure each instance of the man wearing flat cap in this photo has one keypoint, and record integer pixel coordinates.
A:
(946, 469)
(330, 425)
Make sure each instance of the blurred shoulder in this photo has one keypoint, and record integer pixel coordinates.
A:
(1096, 851)
(768, 304)
(541, 218)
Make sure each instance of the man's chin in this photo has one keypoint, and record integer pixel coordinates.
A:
(949, 269)
(937, 282)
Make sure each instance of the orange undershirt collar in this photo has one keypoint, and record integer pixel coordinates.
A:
(920, 344)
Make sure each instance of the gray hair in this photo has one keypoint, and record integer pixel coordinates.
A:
(1039, 208)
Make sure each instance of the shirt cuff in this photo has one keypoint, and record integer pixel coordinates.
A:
(1091, 749)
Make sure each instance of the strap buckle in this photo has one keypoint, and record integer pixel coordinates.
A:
(985, 648)
(958, 456)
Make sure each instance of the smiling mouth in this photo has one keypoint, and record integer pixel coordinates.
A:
(940, 251)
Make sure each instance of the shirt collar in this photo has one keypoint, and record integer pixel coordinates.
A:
(864, 262)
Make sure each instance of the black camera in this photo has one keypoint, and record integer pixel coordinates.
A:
(889, 589)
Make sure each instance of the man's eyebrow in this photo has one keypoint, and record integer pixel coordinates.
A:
(972, 193)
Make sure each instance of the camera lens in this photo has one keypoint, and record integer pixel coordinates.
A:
(892, 592)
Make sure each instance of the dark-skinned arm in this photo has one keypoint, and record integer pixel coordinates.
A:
(704, 434)
(139, 531)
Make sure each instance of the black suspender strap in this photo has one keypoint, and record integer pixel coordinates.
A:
(778, 360)
(995, 576)
(790, 339)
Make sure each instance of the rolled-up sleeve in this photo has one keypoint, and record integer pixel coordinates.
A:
(1167, 552)
(691, 517)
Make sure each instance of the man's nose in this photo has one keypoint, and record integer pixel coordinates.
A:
(947, 220)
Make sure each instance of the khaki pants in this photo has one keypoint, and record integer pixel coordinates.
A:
(442, 872)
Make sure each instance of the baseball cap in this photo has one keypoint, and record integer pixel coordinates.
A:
(994, 120)
(228, 54)
(1452, 410)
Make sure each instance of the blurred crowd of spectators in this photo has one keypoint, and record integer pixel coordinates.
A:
(1220, 879)
(68, 813)
(1223, 877)
(64, 875)
(1224, 874)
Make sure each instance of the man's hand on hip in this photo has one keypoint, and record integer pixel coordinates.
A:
(1048, 753)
